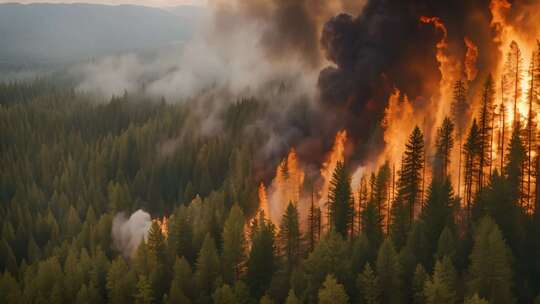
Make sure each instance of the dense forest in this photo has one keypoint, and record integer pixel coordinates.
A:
(70, 164)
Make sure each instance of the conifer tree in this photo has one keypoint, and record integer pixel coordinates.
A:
(291, 298)
(513, 75)
(314, 222)
(490, 265)
(234, 244)
(409, 188)
(381, 187)
(446, 245)
(460, 109)
(368, 285)
(440, 289)
(182, 283)
(388, 273)
(372, 224)
(419, 280)
(224, 295)
(475, 299)
(471, 154)
(515, 158)
(444, 145)
(290, 237)
(261, 261)
(181, 235)
(144, 293)
(157, 251)
(533, 92)
(439, 211)
(121, 283)
(330, 256)
(332, 292)
(411, 173)
(207, 268)
(484, 129)
(340, 200)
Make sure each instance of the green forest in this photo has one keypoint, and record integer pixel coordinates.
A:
(69, 163)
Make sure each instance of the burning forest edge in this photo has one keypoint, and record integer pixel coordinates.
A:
(390, 154)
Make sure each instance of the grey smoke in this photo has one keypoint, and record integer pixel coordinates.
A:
(219, 57)
(127, 233)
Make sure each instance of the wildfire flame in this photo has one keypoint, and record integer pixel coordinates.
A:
(163, 224)
(337, 154)
(402, 114)
(263, 200)
(470, 59)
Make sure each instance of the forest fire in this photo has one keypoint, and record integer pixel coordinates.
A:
(163, 224)
(306, 151)
(479, 105)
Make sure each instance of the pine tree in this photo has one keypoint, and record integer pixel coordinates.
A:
(440, 289)
(409, 188)
(181, 235)
(340, 201)
(533, 92)
(234, 244)
(388, 272)
(446, 246)
(332, 292)
(444, 145)
(314, 223)
(381, 187)
(411, 173)
(330, 256)
(207, 268)
(290, 237)
(182, 284)
(144, 293)
(471, 155)
(372, 224)
(475, 299)
(266, 300)
(460, 109)
(490, 268)
(157, 252)
(224, 295)
(513, 74)
(419, 280)
(485, 119)
(439, 211)
(261, 261)
(121, 283)
(368, 285)
(10, 291)
(291, 298)
(515, 157)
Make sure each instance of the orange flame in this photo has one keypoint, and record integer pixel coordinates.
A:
(286, 186)
(450, 69)
(470, 59)
(337, 154)
(263, 200)
(163, 224)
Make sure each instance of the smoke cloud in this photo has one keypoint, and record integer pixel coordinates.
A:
(127, 233)
(339, 61)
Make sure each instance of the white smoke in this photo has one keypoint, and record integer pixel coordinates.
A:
(222, 55)
(127, 234)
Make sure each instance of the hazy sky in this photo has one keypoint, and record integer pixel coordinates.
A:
(158, 3)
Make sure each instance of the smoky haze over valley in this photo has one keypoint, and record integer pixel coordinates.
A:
(47, 35)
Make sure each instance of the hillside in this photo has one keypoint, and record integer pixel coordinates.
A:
(48, 34)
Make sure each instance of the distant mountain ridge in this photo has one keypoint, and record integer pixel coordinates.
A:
(47, 34)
